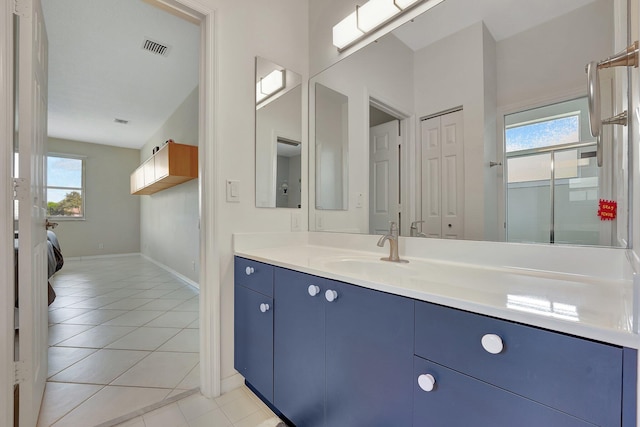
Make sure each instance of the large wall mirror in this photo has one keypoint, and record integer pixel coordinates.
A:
(470, 122)
(278, 136)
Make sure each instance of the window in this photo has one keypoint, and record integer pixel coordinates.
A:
(65, 186)
(552, 178)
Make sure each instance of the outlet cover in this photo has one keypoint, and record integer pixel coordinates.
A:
(296, 221)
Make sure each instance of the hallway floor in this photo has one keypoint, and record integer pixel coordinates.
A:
(238, 408)
(123, 334)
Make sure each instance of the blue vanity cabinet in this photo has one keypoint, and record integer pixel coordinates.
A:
(457, 400)
(299, 345)
(369, 354)
(580, 377)
(344, 362)
(253, 327)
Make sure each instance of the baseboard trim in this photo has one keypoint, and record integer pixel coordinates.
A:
(172, 271)
(231, 383)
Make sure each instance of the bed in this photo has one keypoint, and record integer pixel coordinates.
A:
(55, 261)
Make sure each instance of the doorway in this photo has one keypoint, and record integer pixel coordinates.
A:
(99, 289)
(387, 183)
(210, 371)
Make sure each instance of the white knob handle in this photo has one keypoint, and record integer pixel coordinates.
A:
(427, 382)
(314, 290)
(330, 295)
(264, 307)
(492, 343)
(249, 271)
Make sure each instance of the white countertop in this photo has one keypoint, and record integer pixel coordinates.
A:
(598, 307)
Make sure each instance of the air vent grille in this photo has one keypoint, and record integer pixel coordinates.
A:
(156, 47)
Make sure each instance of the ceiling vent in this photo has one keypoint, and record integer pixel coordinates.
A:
(156, 47)
(121, 121)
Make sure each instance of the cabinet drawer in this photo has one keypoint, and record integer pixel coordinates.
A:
(254, 275)
(577, 376)
(458, 400)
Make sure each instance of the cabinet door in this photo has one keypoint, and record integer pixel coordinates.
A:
(369, 357)
(137, 179)
(457, 400)
(149, 171)
(161, 159)
(253, 339)
(299, 347)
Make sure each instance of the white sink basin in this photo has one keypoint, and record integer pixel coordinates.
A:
(371, 267)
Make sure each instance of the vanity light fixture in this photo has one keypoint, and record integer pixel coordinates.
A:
(368, 17)
(273, 83)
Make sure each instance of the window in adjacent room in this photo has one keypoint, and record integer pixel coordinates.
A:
(65, 186)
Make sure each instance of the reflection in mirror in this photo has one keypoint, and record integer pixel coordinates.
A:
(288, 176)
(460, 82)
(278, 136)
(332, 147)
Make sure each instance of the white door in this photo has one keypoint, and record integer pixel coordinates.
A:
(431, 182)
(384, 179)
(443, 176)
(32, 268)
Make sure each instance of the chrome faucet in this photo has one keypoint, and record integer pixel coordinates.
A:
(392, 237)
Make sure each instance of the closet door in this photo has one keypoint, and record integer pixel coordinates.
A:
(443, 176)
(452, 176)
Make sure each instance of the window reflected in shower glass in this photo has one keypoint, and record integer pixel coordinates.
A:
(555, 131)
(576, 197)
(529, 198)
(552, 177)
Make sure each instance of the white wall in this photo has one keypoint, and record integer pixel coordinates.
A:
(549, 60)
(112, 214)
(389, 79)
(276, 30)
(492, 175)
(169, 231)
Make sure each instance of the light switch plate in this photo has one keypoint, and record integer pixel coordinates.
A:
(233, 191)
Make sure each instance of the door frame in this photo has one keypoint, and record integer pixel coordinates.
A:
(6, 213)
(208, 195)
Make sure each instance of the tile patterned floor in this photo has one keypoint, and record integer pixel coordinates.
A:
(123, 335)
(238, 408)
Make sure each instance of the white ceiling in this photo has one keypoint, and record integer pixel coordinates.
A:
(98, 70)
(503, 18)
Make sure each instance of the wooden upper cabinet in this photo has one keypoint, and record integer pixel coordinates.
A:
(173, 164)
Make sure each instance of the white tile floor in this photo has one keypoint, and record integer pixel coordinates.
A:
(238, 408)
(123, 336)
